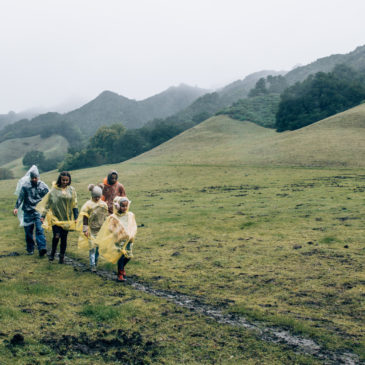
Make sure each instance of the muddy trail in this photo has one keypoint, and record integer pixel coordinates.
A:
(266, 333)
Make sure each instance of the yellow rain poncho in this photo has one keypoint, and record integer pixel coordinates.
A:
(57, 208)
(116, 236)
(96, 213)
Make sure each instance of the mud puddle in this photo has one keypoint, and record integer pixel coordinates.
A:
(266, 333)
(115, 345)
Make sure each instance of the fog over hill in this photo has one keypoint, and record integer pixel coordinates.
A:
(110, 108)
(354, 59)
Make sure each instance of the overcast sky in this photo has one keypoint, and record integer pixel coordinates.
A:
(53, 51)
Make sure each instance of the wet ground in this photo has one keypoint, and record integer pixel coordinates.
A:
(194, 304)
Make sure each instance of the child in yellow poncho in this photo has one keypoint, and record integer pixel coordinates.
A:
(116, 236)
(92, 216)
(57, 209)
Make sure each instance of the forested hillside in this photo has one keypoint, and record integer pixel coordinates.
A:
(320, 96)
(259, 109)
(354, 59)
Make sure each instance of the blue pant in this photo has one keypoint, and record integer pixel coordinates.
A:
(94, 256)
(39, 235)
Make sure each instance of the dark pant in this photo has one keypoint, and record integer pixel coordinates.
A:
(39, 235)
(122, 262)
(59, 233)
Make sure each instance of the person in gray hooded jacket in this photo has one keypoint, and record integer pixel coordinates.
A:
(31, 193)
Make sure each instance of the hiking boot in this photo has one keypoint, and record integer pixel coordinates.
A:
(53, 252)
(30, 252)
(93, 268)
(121, 276)
(61, 259)
(42, 252)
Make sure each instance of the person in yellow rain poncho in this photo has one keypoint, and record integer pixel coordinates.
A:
(57, 209)
(92, 216)
(116, 236)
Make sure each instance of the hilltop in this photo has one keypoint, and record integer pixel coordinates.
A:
(354, 59)
(335, 141)
(110, 108)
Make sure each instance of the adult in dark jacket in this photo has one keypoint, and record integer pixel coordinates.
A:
(31, 193)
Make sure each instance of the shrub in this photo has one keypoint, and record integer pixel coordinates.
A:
(6, 174)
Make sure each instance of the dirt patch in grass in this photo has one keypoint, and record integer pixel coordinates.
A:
(115, 345)
(265, 333)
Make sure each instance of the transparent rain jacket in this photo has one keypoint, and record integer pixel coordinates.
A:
(57, 208)
(96, 213)
(28, 195)
(116, 236)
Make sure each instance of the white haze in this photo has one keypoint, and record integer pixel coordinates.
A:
(52, 51)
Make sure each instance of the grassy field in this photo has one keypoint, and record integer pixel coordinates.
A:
(274, 242)
(12, 151)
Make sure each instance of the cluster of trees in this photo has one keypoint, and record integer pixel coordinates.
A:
(269, 85)
(320, 96)
(38, 158)
(44, 125)
(115, 143)
(259, 109)
(112, 144)
(6, 173)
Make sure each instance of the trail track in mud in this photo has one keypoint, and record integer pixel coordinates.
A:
(266, 333)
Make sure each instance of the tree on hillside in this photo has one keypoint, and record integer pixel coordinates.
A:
(259, 89)
(33, 158)
(320, 96)
(105, 137)
(270, 85)
(6, 174)
(44, 125)
(200, 117)
(276, 84)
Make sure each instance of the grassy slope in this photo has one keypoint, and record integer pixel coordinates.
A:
(274, 242)
(336, 141)
(12, 151)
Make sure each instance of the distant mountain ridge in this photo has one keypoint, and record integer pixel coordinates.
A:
(110, 108)
(210, 103)
(354, 59)
(183, 105)
(13, 117)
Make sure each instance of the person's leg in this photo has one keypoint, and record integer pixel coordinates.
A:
(121, 265)
(29, 238)
(92, 258)
(40, 237)
(63, 245)
(55, 239)
(96, 255)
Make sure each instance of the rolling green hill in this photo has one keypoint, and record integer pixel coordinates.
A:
(13, 150)
(335, 141)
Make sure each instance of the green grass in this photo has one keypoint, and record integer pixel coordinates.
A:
(276, 243)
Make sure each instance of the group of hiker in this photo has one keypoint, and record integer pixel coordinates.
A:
(105, 224)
